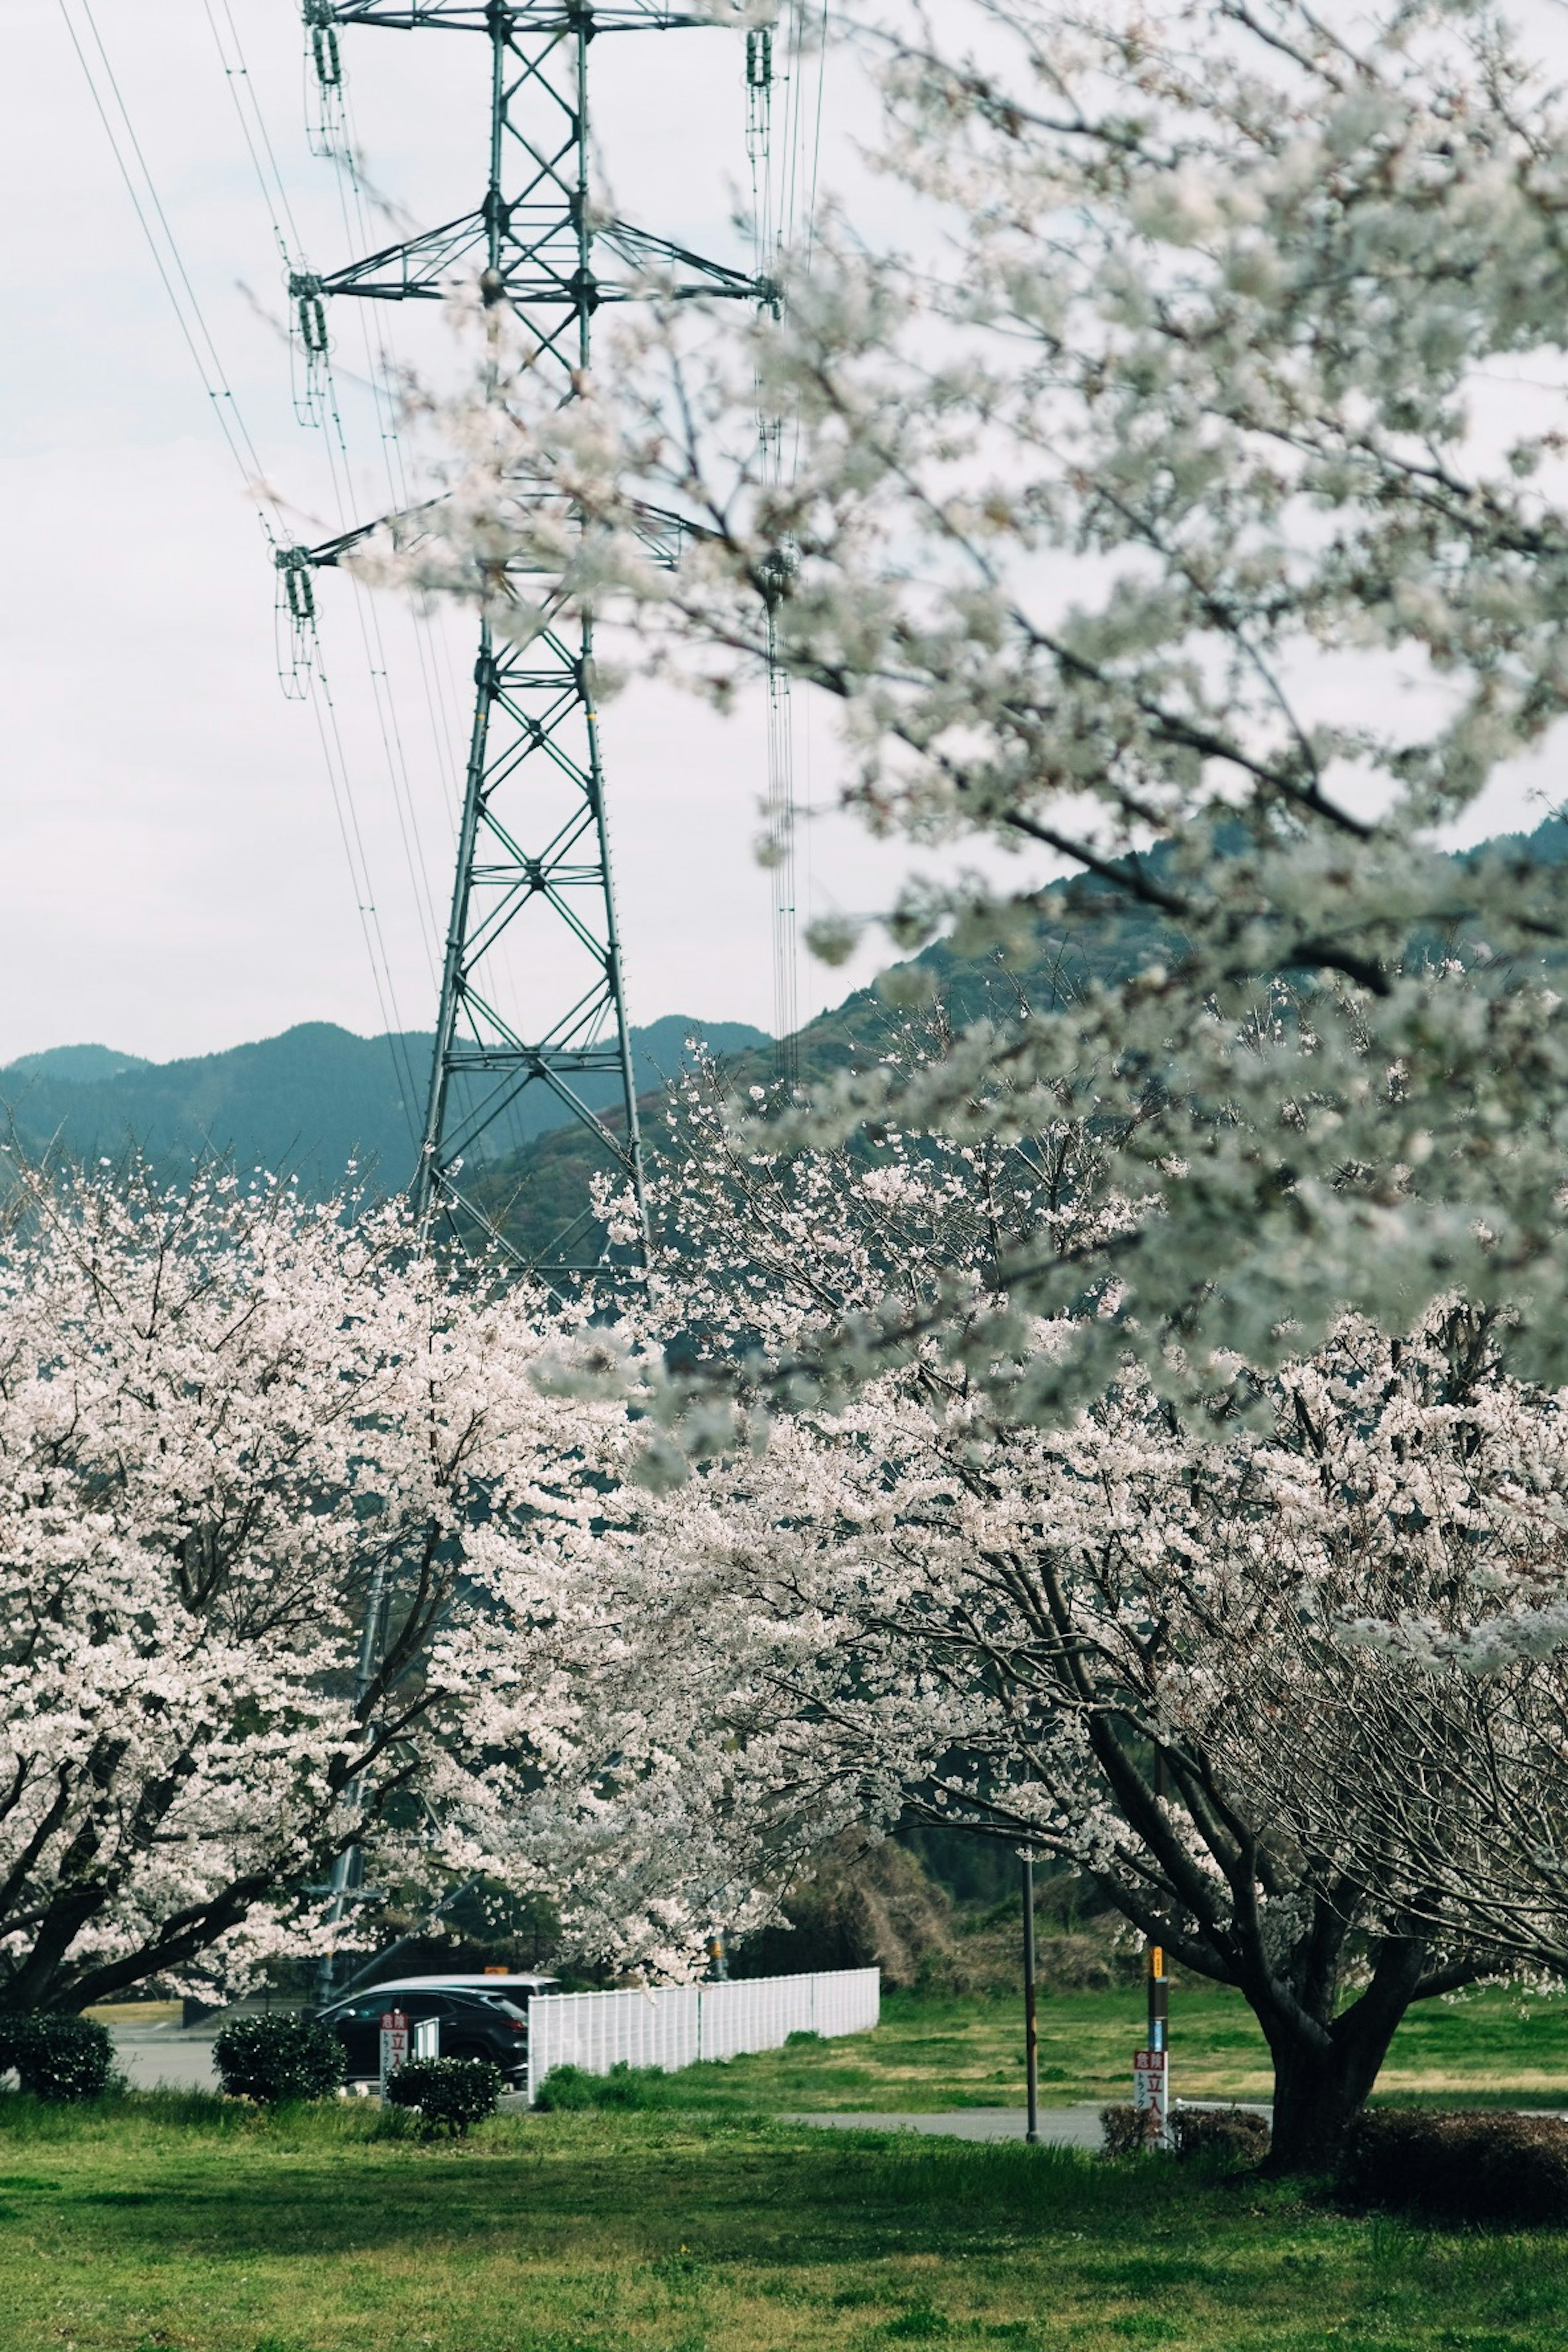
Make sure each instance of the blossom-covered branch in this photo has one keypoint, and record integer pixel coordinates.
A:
(1158, 510)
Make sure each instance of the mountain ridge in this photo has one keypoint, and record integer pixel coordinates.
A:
(315, 1100)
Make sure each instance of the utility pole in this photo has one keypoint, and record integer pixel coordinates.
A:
(532, 879)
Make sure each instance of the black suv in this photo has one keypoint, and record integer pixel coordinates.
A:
(472, 2025)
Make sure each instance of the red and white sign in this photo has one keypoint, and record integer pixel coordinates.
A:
(394, 2045)
(1149, 2078)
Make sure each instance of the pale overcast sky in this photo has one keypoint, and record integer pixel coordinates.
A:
(174, 878)
(173, 872)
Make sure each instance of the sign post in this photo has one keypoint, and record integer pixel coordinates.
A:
(394, 2046)
(1150, 2066)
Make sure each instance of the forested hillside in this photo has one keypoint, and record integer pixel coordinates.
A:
(531, 1194)
(310, 1102)
(318, 1099)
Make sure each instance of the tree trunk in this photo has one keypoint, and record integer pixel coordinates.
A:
(1318, 2093)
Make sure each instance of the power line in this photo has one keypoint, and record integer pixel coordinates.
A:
(170, 266)
(184, 300)
(275, 199)
(263, 156)
(327, 410)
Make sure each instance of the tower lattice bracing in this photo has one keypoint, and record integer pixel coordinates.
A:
(532, 897)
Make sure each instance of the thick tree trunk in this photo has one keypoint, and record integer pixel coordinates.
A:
(1319, 2092)
(1316, 2098)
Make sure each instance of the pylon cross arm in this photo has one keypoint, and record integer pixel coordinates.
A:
(528, 16)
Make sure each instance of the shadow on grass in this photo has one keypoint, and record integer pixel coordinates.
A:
(184, 2173)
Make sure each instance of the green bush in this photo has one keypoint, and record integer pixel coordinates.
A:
(1219, 2135)
(56, 2056)
(449, 2093)
(270, 2059)
(1129, 2131)
(569, 2090)
(1457, 2167)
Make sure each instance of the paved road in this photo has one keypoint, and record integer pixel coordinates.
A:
(152, 2054)
(1059, 2126)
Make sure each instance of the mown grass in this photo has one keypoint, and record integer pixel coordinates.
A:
(135, 2013)
(191, 2225)
(930, 2054)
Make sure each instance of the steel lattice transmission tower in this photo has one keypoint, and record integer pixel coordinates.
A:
(533, 871)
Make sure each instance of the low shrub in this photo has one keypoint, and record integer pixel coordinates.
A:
(449, 2093)
(270, 2059)
(1219, 2135)
(56, 2056)
(1461, 2166)
(570, 2089)
(1129, 2131)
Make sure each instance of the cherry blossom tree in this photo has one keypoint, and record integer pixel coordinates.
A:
(1182, 507)
(1156, 1644)
(233, 1427)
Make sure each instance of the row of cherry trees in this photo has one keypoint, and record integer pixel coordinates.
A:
(1285, 1674)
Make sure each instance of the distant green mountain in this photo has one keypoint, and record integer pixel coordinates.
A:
(310, 1102)
(316, 1098)
(531, 1195)
(1086, 931)
(76, 1065)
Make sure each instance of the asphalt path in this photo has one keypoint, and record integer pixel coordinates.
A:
(180, 2058)
(1059, 2126)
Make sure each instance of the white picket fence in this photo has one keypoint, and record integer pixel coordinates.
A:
(678, 2024)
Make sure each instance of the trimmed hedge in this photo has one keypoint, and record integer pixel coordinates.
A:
(57, 2056)
(1456, 2165)
(270, 2059)
(1219, 2135)
(449, 2093)
(1129, 2131)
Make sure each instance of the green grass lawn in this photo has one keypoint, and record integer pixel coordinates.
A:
(191, 2226)
(928, 2053)
(164, 2223)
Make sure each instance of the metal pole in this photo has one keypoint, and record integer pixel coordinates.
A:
(1031, 2029)
(425, 1182)
(1159, 2033)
